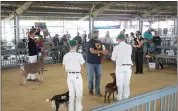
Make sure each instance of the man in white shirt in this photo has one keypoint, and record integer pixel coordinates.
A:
(122, 56)
(73, 63)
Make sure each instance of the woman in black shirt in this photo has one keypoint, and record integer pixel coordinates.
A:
(138, 44)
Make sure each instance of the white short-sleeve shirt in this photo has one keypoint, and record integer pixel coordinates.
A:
(73, 61)
(122, 54)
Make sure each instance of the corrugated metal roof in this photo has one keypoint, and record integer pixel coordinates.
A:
(77, 9)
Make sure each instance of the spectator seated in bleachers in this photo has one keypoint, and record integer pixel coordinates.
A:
(55, 40)
(149, 47)
(78, 38)
(63, 40)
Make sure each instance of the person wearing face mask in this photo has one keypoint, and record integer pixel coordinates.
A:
(138, 44)
(131, 38)
(94, 57)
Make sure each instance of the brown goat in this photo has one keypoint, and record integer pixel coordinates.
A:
(110, 88)
(27, 68)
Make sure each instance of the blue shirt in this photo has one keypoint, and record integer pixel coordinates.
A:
(94, 58)
(148, 35)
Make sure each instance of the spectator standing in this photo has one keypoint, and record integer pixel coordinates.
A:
(138, 44)
(157, 41)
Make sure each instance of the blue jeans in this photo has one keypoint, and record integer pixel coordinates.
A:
(91, 69)
(148, 48)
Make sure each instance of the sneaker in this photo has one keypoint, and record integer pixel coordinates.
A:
(91, 92)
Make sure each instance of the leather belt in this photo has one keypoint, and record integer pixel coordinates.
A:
(73, 72)
(126, 64)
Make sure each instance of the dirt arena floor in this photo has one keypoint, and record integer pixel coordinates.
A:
(32, 97)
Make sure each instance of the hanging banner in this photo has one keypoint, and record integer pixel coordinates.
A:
(42, 25)
(107, 27)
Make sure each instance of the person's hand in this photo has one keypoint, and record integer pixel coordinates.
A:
(105, 52)
(42, 50)
(46, 52)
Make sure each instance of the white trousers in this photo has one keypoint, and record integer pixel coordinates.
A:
(75, 85)
(123, 75)
(32, 59)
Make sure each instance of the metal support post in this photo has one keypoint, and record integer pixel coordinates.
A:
(91, 25)
(16, 29)
(4, 24)
(63, 27)
(174, 25)
(125, 25)
(77, 29)
(140, 24)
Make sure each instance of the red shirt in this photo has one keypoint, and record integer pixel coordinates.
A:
(41, 44)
